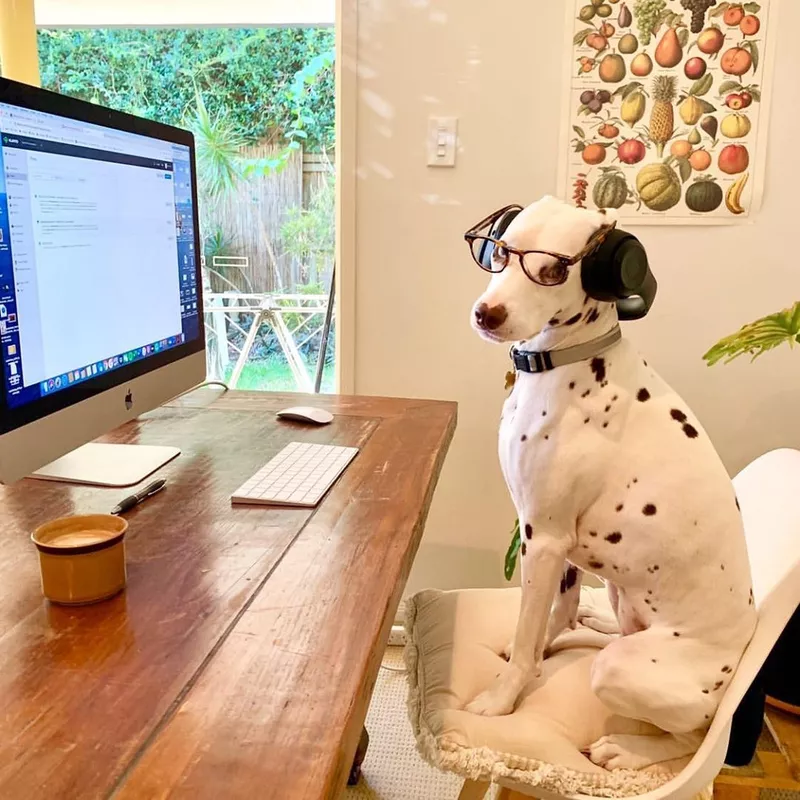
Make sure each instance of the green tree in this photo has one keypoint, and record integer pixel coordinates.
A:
(244, 73)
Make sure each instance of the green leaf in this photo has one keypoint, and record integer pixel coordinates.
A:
(726, 87)
(702, 85)
(756, 94)
(683, 36)
(758, 337)
(511, 553)
(752, 8)
(719, 10)
(580, 36)
(579, 131)
(753, 48)
(706, 106)
(684, 169)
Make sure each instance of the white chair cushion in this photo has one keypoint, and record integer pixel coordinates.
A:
(455, 649)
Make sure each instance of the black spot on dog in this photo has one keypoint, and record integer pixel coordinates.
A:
(737, 503)
(605, 424)
(649, 591)
(586, 299)
(706, 716)
(592, 316)
(585, 546)
(608, 408)
(643, 395)
(655, 567)
(695, 523)
(528, 531)
(604, 384)
(596, 564)
(524, 548)
(524, 437)
(654, 608)
(690, 431)
(718, 685)
(635, 480)
(544, 412)
(568, 579)
(644, 362)
(751, 601)
(614, 537)
(546, 436)
(615, 567)
(675, 633)
(572, 320)
(586, 393)
(705, 691)
(722, 567)
(592, 533)
(677, 415)
(726, 668)
(615, 398)
(598, 366)
(619, 507)
(586, 420)
(649, 510)
(572, 384)
(655, 661)
(553, 321)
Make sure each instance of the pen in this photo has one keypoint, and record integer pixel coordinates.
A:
(131, 502)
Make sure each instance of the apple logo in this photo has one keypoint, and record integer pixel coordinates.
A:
(129, 400)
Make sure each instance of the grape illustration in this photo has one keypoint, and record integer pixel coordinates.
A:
(648, 15)
(698, 9)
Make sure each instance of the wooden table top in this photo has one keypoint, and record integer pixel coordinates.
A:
(240, 660)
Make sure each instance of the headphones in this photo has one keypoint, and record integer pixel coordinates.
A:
(617, 272)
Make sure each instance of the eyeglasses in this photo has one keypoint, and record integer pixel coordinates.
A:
(494, 255)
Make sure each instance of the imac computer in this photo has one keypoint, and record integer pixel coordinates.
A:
(101, 312)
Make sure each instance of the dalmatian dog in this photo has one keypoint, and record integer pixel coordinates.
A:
(611, 474)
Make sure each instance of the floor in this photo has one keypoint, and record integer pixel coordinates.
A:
(394, 771)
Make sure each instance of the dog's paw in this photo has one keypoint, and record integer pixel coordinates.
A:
(499, 699)
(617, 751)
(590, 617)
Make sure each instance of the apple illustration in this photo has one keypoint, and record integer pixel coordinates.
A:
(631, 151)
(710, 41)
(734, 101)
(747, 99)
(734, 159)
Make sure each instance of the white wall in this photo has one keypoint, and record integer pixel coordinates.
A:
(415, 281)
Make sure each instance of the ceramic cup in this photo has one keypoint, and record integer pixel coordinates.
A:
(82, 558)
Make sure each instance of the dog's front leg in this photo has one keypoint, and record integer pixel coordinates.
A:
(542, 564)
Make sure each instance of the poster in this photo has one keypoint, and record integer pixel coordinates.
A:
(667, 108)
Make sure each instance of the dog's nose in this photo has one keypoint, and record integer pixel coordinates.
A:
(490, 318)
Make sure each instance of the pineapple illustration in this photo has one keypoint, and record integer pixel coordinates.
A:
(662, 120)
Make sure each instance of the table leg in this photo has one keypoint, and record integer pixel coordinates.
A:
(358, 759)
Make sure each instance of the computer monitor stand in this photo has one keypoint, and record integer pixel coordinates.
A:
(108, 464)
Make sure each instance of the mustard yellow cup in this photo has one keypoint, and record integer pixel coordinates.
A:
(82, 558)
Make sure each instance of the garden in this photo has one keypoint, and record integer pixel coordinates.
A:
(260, 103)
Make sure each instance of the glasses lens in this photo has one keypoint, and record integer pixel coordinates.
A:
(552, 273)
(487, 255)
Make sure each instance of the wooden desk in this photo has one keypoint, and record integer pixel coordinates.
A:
(240, 660)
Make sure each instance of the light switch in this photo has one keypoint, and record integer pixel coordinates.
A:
(442, 138)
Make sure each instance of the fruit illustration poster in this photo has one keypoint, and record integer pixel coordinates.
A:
(668, 108)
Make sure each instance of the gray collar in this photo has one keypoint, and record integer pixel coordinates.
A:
(545, 360)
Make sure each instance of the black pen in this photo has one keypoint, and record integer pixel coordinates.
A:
(131, 502)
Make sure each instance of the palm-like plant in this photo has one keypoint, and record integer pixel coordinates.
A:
(758, 337)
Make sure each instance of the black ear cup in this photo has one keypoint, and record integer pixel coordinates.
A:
(618, 272)
(497, 231)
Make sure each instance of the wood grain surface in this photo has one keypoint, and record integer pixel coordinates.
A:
(240, 660)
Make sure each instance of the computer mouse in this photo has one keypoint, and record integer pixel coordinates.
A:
(316, 416)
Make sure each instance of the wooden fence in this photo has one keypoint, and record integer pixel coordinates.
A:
(251, 217)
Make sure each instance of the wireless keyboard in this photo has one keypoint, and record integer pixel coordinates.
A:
(298, 476)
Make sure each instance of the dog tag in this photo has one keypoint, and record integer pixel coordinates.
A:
(511, 378)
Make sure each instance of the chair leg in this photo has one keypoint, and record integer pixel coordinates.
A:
(473, 790)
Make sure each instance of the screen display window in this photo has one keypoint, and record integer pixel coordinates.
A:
(97, 251)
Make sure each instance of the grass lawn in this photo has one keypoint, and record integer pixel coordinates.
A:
(274, 375)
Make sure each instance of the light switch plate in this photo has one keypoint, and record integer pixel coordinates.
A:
(442, 140)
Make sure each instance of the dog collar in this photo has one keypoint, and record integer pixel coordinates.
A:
(546, 360)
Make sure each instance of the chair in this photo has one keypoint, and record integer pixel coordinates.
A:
(769, 495)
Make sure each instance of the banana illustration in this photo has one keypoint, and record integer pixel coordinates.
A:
(734, 194)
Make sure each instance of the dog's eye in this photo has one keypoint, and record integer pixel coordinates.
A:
(500, 256)
(553, 274)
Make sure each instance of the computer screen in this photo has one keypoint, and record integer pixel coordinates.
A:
(98, 261)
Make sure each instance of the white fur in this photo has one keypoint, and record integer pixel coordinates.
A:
(587, 451)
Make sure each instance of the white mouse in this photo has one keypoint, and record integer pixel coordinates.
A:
(316, 416)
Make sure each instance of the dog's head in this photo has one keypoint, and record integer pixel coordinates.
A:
(516, 308)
